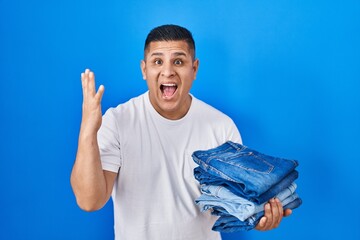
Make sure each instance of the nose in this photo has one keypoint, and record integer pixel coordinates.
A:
(167, 70)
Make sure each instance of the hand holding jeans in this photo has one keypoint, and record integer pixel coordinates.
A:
(273, 215)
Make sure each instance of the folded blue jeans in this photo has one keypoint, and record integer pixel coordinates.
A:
(228, 223)
(254, 172)
(205, 178)
(220, 199)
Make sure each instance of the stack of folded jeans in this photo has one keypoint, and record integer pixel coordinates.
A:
(237, 181)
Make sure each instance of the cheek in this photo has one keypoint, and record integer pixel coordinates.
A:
(152, 74)
(152, 80)
(189, 78)
(186, 86)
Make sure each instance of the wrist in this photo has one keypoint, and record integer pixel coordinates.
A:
(87, 133)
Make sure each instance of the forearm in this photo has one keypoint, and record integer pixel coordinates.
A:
(87, 177)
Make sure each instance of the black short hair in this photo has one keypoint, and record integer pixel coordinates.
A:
(170, 32)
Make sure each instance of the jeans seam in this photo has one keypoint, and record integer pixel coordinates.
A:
(269, 170)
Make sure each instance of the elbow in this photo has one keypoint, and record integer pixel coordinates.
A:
(88, 206)
(85, 201)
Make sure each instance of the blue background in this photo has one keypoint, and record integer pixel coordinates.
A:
(287, 72)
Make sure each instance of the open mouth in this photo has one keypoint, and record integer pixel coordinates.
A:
(168, 89)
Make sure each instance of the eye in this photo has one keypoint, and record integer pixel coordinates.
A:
(178, 62)
(158, 62)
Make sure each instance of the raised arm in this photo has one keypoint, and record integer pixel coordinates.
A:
(92, 185)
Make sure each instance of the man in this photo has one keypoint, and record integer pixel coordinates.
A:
(140, 151)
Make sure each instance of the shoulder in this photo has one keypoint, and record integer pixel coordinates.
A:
(220, 123)
(207, 111)
(127, 108)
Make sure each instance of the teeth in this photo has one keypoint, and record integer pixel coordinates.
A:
(169, 84)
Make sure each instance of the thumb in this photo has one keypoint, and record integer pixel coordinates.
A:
(100, 93)
(261, 223)
(287, 212)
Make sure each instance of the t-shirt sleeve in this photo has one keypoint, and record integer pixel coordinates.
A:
(234, 134)
(109, 142)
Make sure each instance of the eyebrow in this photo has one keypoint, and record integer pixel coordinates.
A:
(175, 53)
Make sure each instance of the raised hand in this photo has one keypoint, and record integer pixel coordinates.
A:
(91, 107)
(91, 184)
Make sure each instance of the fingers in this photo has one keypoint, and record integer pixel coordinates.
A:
(91, 82)
(278, 213)
(261, 224)
(88, 85)
(91, 107)
(83, 83)
(268, 215)
(272, 216)
(88, 82)
(100, 93)
(264, 221)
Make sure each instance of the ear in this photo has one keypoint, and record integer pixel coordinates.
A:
(143, 69)
(196, 67)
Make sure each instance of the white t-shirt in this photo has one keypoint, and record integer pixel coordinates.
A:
(154, 193)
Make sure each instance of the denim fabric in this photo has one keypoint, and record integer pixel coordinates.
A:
(295, 203)
(205, 178)
(277, 188)
(228, 223)
(222, 200)
(254, 172)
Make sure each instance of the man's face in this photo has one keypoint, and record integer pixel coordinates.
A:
(169, 70)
